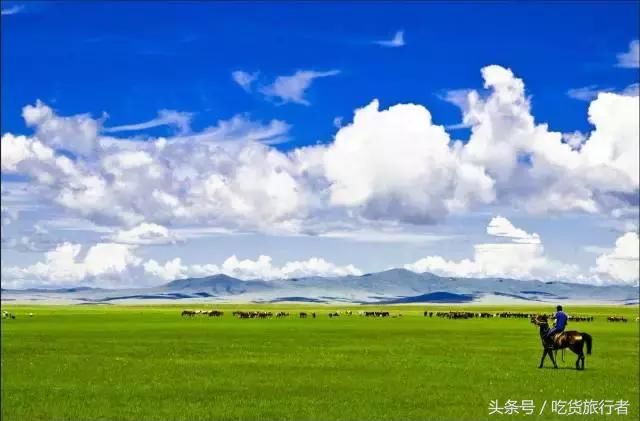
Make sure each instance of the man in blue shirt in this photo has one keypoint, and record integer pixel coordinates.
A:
(561, 322)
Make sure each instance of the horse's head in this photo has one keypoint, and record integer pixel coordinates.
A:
(540, 320)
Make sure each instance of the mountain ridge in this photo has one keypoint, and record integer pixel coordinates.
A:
(391, 286)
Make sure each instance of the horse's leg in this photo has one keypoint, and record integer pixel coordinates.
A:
(577, 349)
(581, 356)
(553, 360)
(544, 355)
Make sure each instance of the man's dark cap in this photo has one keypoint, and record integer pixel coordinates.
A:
(559, 308)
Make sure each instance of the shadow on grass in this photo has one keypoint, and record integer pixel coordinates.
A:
(567, 368)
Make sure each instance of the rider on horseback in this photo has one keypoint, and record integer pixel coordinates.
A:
(561, 322)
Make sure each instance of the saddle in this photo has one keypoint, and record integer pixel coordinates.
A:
(557, 339)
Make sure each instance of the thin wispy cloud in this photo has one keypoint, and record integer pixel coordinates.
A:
(586, 93)
(293, 88)
(241, 128)
(589, 93)
(395, 42)
(459, 98)
(180, 120)
(381, 236)
(631, 58)
(244, 79)
(458, 126)
(12, 10)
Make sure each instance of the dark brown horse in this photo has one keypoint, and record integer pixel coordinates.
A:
(572, 339)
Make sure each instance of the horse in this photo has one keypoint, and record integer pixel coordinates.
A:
(572, 339)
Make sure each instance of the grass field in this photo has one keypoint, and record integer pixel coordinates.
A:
(148, 363)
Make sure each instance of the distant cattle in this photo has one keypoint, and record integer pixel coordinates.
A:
(463, 315)
(581, 318)
(509, 315)
(303, 315)
(454, 314)
(616, 319)
(375, 314)
(252, 314)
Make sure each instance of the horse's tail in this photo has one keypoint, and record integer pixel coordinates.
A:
(587, 339)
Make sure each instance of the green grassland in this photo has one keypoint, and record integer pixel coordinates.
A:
(149, 363)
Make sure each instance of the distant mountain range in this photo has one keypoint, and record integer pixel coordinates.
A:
(394, 286)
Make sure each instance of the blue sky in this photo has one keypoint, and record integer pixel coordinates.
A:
(182, 56)
(133, 59)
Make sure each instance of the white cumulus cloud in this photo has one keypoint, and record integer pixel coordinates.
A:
(501, 227)
(261, 268)
(521, 258)
(144, 234)
(395, 165)
(111, 265)
(102, 264)
(622, 263)
(201, 178)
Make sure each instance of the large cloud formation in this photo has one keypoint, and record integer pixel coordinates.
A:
(118, 265)
(205, 178)
(394, 164)
(622, 263)
(391, 165)
(518, 254)
(522, 256)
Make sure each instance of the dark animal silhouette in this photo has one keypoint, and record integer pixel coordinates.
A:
(572, 339)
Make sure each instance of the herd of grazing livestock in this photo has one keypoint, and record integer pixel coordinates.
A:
(210, 313)
(269, 314)
(581, 318)
(480, 315)
(618, 319)
(265, 314)
(384, 314)
(377, 313)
